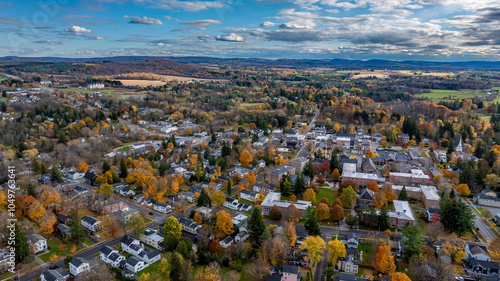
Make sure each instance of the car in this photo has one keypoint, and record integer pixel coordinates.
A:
(54, 266)
(98, 236)
(151, 213)
(92, 232)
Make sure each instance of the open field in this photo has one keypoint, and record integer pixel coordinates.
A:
(382, 74)
(440, 95)
(85, 91)
(327, 193)
(249, 104)
(141, 83)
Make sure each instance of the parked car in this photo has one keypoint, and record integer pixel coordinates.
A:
(54, 266)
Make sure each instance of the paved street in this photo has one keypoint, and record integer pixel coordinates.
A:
(483, 228)
(303, 151)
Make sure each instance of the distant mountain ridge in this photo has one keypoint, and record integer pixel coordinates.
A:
(294, 63)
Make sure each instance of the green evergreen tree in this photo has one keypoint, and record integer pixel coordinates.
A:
(334, 162)
(105, 166)
(286, 186)
(383, 219)
(123, 169)
(256, 226)
(412, 241)
(31, 189)
(311, 223)
(200, 170)
(169, 242)
(21, 246)
(308, 170)
(36, 167)
(403, 194)
(55, 174)
(300, 185)
(204, 200)
(76, 229)
(229, 186)
(164, 166)
(455, 216)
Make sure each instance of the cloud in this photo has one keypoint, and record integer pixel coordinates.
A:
(171, 18)
(297, 25)
(48, 42)
(77, 30)
(11, 21)
(144, 20)
(267, 24)
(231, 37)
(201, 23)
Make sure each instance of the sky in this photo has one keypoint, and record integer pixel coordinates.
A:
(437, 30)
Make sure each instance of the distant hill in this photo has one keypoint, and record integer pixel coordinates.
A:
(293, 63)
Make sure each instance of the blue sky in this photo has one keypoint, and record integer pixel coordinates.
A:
(439, 30)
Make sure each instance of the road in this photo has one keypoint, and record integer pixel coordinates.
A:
(483, 228)
(303, 153)
(318, 273)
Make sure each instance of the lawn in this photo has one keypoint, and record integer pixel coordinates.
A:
(149, 269)
(439, 95)
(54, 249)
(367, 251)
(245, 201)
(327, 193)
(126, 148)
(486, 117)
(85, 91)
(2, 99)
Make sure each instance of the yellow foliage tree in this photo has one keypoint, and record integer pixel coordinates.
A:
(310, 195)
(47, 223)
(224, 224)
(36, 210)
(278, 160)
(400, 276)
(315, 246)
(82, 167)
(218, 198)
(50, 196)
(322, 212)
(337, 250)
(384, 261)
(245, 158)
(197, 218)
(463, 189)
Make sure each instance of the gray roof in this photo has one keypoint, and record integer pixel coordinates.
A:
(344, 276)
(291, 269)
(77, 262)
(90, 220)
(106, 250)
(133, 261)
(55, 275)
(281, 170)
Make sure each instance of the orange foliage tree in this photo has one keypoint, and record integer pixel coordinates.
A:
(224, 224)
(463, 189)
(245, 158)
(384, 261)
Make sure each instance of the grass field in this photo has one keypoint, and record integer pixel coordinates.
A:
(142, 83)
(2, 99)
(249, 104)
(327, 193)
(85, 91)
(54, 249)
(485, 117)
(440, 95)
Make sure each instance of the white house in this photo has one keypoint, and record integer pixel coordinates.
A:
(78, 265)
(76, 175)
(151, 256)
(231, 203)
(226, 242)
(37, 243)
(162, 207)
(477, 251)
(169, 129)
(126, 191)
(241, 236)
(54, 275)
(134, 264)
(248, 195)
(189, 225)
(95, 86)
(111, 256)
(151, 237)
(90, 223)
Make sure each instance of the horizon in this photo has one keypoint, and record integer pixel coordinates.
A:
(416, 30)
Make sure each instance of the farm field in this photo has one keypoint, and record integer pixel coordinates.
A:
(249, 104)
(440, 95)
(84, 91)
(141, 83)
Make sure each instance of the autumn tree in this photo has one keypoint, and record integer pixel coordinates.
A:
(172, 226)
(494, 248)
(463, 189)
(245, 158)
(400, 276)
(47, 223)
(137, 224)
(197, 218)
(348, 197)
(36, 210)
(389, 193)
(337, 213)
(378, 200)
(337, 250)
(324, 200)
(49, 196)
(106, 190)
(291, 214)
(289, 232)
(310, 195)
(322, 212)
(82, 167)
(384, 261)
(223, 224)
(275, 250)
(275, 213)
(218, 198)
(373, 186)
(335, 174)
(315, 246)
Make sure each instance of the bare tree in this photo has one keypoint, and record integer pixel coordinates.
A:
(258, 268)
(434, 230)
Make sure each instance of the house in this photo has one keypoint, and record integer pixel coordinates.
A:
(189, 225)
(126, 191)
(226, 242)
(135, 247)
(286, 272)
(189, 196)
(368, 166)
(231, 203)
(138, 198)
(402, 215)
(90, 177)
(78, 265)
(351, 240)
(37, 243)
(79, 190)
(361, 179)
(151, 237)
(240, 221)
(162, 207)
(134, 264)
(63, 219)
(75, 175)
(45, 179)
(479, 267)
(348, 264)
(415, 177)
(262, 187)
(430, 196)
(365, 196)
(205, 212)
(261, 164)
(63, 230)
(477, 251)
(241, 236)
(54, 275)
(298, 164)
(344, 276)
(431, 212)
(111, 256)
(274, 198)
(90, 223)
(483, 198)
(274, 176)
(248, 195)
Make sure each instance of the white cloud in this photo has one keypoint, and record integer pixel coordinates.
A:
(144, 20)
(77, 30)
(231, 37)
(267, 24)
